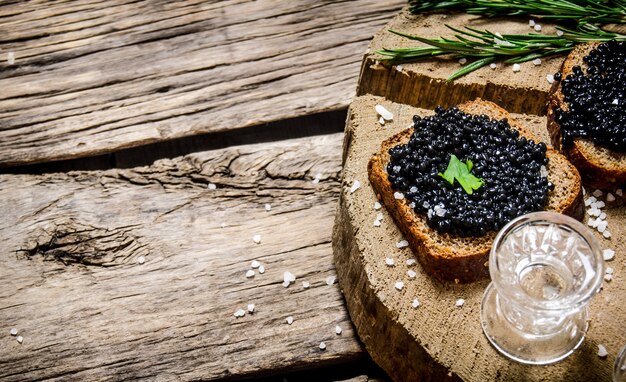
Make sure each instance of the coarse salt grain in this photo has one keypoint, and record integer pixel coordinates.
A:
(517, 67)
(600, 204)
(606, 234)
(289, 320)
(399, 68)
(251, 308)
(306, 284)
(268, 207)
(286, 284)
(615, 101)
(463, 61)
(610, 197)
(459, 303)
(13, 332)
(377, 223)
(410, 262)
(379, 216)
(377, 206)
(531, 23)
(322, 346)
(537, 27)
(493, 65)
(559, 32)
(537, 61)
(11, 58)
(383, 112)
(250, 273)
(255, 264)
(330, 280)
(240, 313)
(543, 172)
(619, 192)
(389, 261)
(398, 195)
(141, 260)
(608, 277)
(602, 215)
(597, 193)
(355, 186)
(415, 303)
(381, 120)
(609, 270)
(399, 285)
(411, 273)
(402, 244)
(256, 239)
(289, 277)
(550, 78)
(211, 186)
(602, 351)
(338, 330)
(19, 339)
(608, 254)
(261, 269)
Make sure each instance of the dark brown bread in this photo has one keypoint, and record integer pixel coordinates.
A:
(465, 259)
(599, 167)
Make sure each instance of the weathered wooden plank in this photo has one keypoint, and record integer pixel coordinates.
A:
(87, 309)
(91, 77)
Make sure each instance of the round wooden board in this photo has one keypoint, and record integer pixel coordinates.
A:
(438, 340)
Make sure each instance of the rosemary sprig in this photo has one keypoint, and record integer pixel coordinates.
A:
(486, 47)
(586, 11)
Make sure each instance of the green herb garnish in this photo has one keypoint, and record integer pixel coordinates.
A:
(461, 172)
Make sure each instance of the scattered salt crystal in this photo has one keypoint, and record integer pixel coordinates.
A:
(602, 215)
(381, 120)
(240, 313)
(330, 280)
(415, 303)
(306, 284)
(13, 332)
(399, 68)
(261, 269)
(600, 204)
(597, 193)
(493, 65)
(608, 277)
(289, 277)
(619, 192)
(223, 225)
(602, 351)
(550, 78)
(531, 23)
(606, 234)
(256, 239)
(379, 216)
(398, 195)
(322, 346)
(212, 186)
(430, 213)
(251, 308)
(537, 27)
(412, 205)
(402, 244)
(250, 273)
(315, 180)
(268, 207)
(517, 67)
(543, 172)
(289, 320)
(594, 212)
(463, 61)
(559, 33)
(399, 285)
(377, 206)
(411, 273)
(608, 254)
(377, 223)
(389, 261)
(11, 58)
(610, 197)
(384, 113)
(615, 101)
(286, 284)
(141, 260)
(410, 262)
(591, 222)
(459, 303)
(537, 61)
(338, 330)
(355, 186)
(609, 271)
(255, 264)
(19, 339)
(602, 226)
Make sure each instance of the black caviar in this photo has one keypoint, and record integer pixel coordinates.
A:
(509, 165)
(597, 99)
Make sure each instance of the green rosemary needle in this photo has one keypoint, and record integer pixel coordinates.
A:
(586, 11)
(486, 47)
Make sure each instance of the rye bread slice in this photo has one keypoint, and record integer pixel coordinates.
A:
(599, 167)
(465, 259)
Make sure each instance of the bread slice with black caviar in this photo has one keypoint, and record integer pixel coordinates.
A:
(465, 259)
(599, 167)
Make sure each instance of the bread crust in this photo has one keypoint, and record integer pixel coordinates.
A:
(589, 158)
(438, 252)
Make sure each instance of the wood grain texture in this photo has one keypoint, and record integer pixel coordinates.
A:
(73, 287)
(91, 77)
(423, 84)
(438, 340)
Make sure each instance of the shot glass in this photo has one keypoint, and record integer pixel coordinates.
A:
(545, 267)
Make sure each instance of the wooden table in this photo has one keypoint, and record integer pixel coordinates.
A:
(192, 127)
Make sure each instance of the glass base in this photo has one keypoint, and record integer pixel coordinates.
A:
(525, 347)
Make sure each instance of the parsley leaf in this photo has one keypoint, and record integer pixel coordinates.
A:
(461, 172)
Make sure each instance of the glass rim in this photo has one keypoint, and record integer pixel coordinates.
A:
(557, 218)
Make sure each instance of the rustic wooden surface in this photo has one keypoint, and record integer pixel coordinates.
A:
(88, 310)
(424, 84)
(439, 340)
(91, 77)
